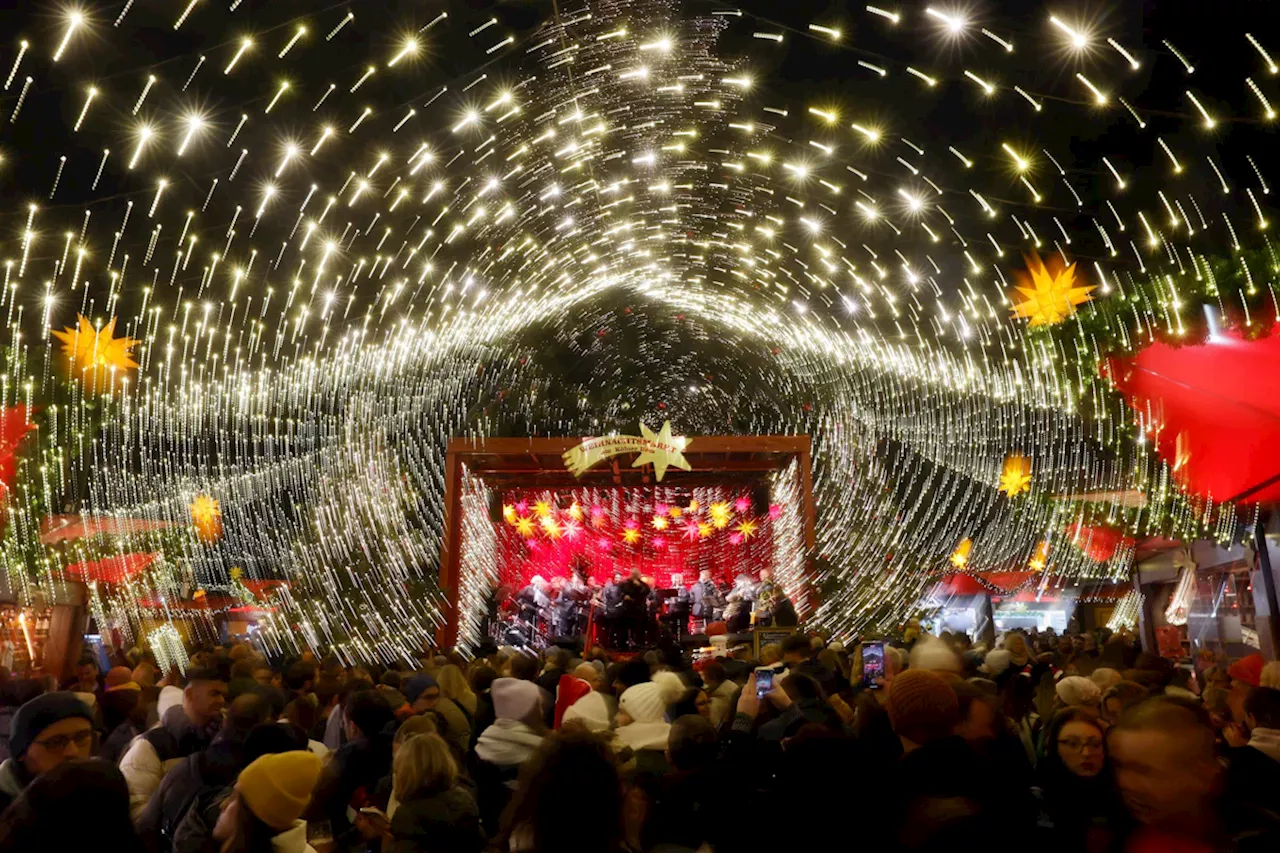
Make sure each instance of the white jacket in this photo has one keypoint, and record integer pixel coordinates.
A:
(143, 770)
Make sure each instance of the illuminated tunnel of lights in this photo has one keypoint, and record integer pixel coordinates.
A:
(342, 235)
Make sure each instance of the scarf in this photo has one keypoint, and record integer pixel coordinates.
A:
(507, 742)
(1266, 741)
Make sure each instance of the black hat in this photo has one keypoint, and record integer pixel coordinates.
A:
(40, 713)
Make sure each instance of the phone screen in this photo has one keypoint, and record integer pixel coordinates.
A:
(764, 682)
(872, 663)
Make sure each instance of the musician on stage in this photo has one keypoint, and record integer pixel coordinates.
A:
(611, 610)
(708, 601)
(575, 595)
(767, 595)
(534, 602)
(635, 598)
(678, 607)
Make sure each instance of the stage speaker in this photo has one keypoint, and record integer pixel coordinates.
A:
(495, 507)
(760, 500)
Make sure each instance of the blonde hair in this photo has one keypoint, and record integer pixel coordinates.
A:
(424, 764)
(453, 685)
(419, 724)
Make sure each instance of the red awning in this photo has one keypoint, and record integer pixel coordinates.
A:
(1216, 408)
(116, 569)
(59, 528)
(1098, 542)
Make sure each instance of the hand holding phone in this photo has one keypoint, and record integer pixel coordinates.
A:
(873, 664)
(764, 682)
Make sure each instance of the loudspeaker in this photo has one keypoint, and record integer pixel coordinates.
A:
(760, 500)
(495, 507)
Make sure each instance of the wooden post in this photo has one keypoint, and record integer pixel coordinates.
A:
(450, 545)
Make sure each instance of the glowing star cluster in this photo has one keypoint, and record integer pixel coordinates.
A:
(326, 251)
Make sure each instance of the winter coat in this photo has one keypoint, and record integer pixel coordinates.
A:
(445, 821)
(213, 769)
(117, 743)
(721, 697)
(708, 600)
(495, 765)
(457, 724)
(358, 765)
(13, 781)
(1253, 771)
(157, 752)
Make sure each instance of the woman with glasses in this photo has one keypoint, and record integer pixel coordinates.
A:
(1077, 801)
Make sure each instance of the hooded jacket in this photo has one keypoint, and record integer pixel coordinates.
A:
(13, 781)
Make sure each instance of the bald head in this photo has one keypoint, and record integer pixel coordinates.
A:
(589, 674)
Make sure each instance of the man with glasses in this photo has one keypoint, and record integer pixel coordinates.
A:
(48, 730)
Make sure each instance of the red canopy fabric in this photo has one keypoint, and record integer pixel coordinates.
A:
(960, 584)
(1097, 542)
(59, 528)
(1008, 580)
(1217, 406)
(116, 569)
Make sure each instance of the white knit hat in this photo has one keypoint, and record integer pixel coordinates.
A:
(1078, 690)
(515, 698)
(592, 711)
(931, 653)
(647, 702)
(997, 661)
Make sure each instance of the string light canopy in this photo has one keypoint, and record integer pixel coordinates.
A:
(316, 244)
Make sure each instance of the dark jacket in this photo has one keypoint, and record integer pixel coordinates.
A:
(801, 713)
(211, 770)
(195, 833)
(357, 766)
(117, 742)
(1252, 777)
(446, 821)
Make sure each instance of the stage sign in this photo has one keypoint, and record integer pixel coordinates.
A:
(661, 448)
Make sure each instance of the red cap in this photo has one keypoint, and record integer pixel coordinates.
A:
(1247, 669)
(568, 691)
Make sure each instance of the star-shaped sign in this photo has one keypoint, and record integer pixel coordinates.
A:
(663, 450)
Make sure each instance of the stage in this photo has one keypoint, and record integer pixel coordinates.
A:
(516, 516)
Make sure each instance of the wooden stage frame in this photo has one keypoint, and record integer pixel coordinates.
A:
(537, 463)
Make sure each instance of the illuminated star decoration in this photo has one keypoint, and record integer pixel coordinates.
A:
(206, 515)
(524, 526)
(97, 356)
(960, 557)
(1015, 476)
(1049, 294)
(720, 514)
(747, 528)
(666, 451)
(1040, 558)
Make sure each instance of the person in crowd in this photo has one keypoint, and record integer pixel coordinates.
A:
(1077, 801)
(1119, 697)
(120, 695)
(262, 811)
(1076, 691)
(88, 678)
(1106, 678)
(46, 731)
(537, 820)
(355, 768)
(695, 701)
(684, 801)
(1246, 675)
(642, 724)
(183, 730)
(557, 664)
(424, 695)
(1253, 770)
(14, 693)
(720, 690)
(1170, 779)
(454, 687)
(76, 804)
(505, 746)
(215, 766)
(434, 811)
(569, 690)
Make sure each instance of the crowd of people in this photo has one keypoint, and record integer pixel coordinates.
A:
(1057, 743)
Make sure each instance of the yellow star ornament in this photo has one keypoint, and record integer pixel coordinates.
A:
(524, 526)
(960, 556)
(1015, 476)
(96, 355)
(206, 515)
(747, 529)
(1047, 295)
(663, 450)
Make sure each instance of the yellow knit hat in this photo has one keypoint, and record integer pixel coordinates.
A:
(277, 788)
